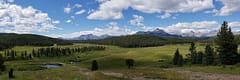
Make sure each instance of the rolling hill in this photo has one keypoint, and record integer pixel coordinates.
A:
(8, 40)
(132, 41)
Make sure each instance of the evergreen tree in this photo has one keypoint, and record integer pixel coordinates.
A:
(227, 46)
(176, 57)
(199, 57)
(94, 65)
(193, 54)
(10, 73)
(209, 55)
(2, 66)
(180, 61)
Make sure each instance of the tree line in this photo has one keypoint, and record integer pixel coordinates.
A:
(48, 52)
(225, 53)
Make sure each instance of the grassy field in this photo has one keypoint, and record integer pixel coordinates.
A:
(111, 64)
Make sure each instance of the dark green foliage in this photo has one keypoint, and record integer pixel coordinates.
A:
(4, 46)
(129, 63)
(9, 40)
(178, 58)
(49, 52)
(54, 52)
(209, 55)
(10, 73)
(199, 57)
(133, 41)
(2, 66)
(227, 46)
(192, 56)
(180, 61)
(94, 65)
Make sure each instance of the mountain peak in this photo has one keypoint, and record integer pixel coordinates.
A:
(156, 32)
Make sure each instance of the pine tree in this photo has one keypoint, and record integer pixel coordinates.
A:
(227, 46)
(176, 57)
(193, 54)
(209, 55)
(199, 57)
(2, 66)
(180, 61)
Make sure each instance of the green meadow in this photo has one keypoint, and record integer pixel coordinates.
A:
(150, 63)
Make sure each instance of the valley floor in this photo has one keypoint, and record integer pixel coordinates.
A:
(151, 63)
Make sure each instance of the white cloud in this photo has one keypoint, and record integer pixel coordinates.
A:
(234, 24)
(17, 19)
(80, 12)
(108, 11)
(166, 15)
(56, 22)
(230, 6)
(67, 9)
(137, 21)
(69, 21)
(202, 28)
(78, 5)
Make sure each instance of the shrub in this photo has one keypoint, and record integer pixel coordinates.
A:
(129, 63)
(94, 65)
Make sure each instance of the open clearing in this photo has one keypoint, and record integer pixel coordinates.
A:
(148, 66)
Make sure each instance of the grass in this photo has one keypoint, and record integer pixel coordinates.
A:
(111, 60)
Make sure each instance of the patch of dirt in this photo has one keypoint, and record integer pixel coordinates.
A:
(143, 78)
(206, 76)
(120, 75)
(113, 74)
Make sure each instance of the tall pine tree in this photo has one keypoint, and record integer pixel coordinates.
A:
(227, 46)
(193, 54)
(209, 55)
(176, 57)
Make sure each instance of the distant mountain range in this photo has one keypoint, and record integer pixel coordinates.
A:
(157, 32)
(90, 37)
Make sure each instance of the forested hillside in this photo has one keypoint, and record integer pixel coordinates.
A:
(132, 41)
(8, 40)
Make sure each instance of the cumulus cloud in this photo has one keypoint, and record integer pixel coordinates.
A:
(137, 21)
(80, 12)
(108, 11)
(67, 9)
(18, 19)
(198, 29)
(230, 6)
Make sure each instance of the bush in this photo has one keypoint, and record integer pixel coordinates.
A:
(10, 73)
(129, 63)
(94, 65)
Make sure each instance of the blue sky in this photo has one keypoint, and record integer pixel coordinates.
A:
(72, 18)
